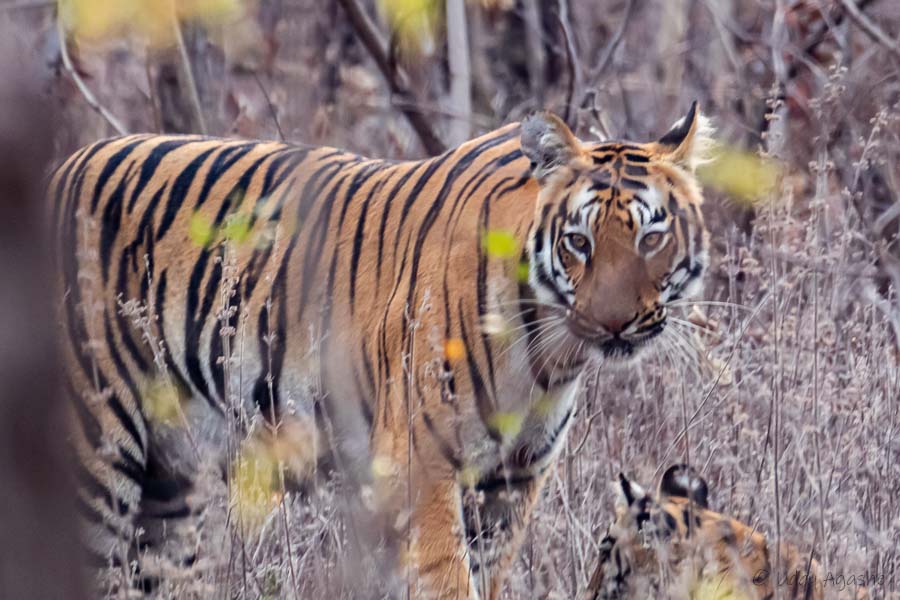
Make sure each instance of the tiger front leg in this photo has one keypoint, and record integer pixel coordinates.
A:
(419, 500)
(436, 564)
(497, 511)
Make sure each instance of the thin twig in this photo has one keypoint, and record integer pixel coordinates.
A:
(726, 43)
(270, 105)
(533, 45)
(368, 34)
(571, 59)
(154, 105)
(869, 27)
(187, 74)
(606, 57)
(82, 87)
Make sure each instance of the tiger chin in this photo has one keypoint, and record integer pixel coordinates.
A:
(671, 544)
(291, 288)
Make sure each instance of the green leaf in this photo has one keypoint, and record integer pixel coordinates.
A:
(237, 228)
(500, 243)
(523, 271)
(742, 175)
(413, 23)
(200, 230)
(507, 424)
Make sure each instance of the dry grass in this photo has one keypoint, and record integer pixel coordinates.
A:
(787, 399)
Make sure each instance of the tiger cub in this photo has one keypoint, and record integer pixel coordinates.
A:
(674, 546)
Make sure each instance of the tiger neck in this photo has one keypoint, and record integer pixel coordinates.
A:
(511, 208)
(553, 364)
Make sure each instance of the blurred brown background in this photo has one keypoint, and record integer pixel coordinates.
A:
(797, 402)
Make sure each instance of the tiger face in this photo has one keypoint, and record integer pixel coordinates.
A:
(618, 233)
(672, 545)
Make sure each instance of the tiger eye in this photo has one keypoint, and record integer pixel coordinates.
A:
(651, 241)
(579, 242)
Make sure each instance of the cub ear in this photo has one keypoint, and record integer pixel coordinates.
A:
(683, 481)
(549, 143)
(689, 141)
(629, 491)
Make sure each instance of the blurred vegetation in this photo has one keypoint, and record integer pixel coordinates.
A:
(802, 196)
(153, 20)
(414, 23)
(741, 175)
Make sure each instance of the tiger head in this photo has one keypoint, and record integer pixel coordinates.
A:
(618, 233)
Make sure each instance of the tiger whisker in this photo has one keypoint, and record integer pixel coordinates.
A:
(542, 345)
(689, 303)
(688, 324)
(531, 324)
(537, 335)
(689, 351)
(677, 348)
(540, 370)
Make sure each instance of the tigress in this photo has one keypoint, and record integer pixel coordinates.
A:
(443, 309)
(674, 546)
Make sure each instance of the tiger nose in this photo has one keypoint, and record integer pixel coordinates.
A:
(616, 325)
(613, 326)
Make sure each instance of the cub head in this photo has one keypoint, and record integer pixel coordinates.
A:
(618, 233)
(638, 511)
(643, 554)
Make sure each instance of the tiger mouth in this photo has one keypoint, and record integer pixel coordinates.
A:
(618, 348)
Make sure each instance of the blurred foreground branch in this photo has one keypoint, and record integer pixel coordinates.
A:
(371, 39)
(39, 555)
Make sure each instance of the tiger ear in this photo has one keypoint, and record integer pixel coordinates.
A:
(629, 491)
(689, 141)
(683, 481)
(548, 143)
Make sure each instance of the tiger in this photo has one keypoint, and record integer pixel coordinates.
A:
(674, 546)
(425, 324)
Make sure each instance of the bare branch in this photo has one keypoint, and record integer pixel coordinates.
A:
(187, 75)
(536, 59)
(869, 27)
(821, 33)
(82, 87)
(371, 39)
(271, 106)
(610, 50)
(571, 59)
(460, 76)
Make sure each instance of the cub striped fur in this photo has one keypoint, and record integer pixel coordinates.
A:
(672, 545)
